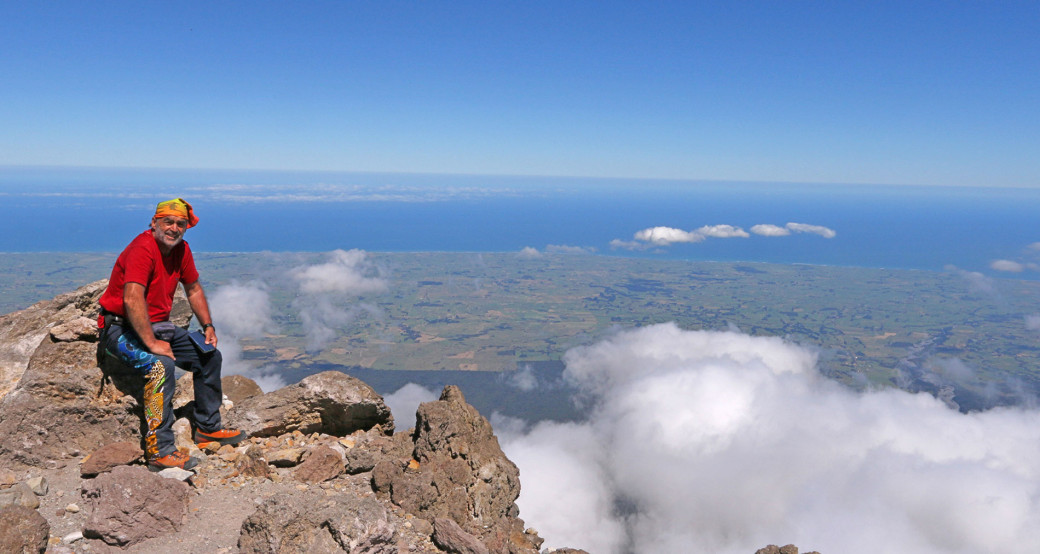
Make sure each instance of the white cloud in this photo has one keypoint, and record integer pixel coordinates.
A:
(663, 236)
(1034, 246)
(523, 379)
(566, 249)
(814, 229)
(404, 402)
(1006, 265)
(767, 230)
(628, 245)
(977, 282)
(1033, 322)
(243, 311)
(722, 442)
(529, 253)
(347, 272)
(722, 231)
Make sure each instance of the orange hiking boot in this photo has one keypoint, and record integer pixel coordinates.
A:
(176, 459)
(221, 437)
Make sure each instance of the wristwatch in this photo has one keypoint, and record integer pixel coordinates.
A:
(207, 325)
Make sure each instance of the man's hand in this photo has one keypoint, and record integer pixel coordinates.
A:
(160, 348)
(211, 336)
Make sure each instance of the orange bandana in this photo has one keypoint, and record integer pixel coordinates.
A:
(178, 208)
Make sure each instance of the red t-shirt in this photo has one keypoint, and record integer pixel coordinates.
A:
(142, 262)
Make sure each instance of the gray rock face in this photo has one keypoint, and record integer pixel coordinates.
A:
(131, 504)
(22, 331)
(22, 530)
(331, 402)
(313, 522)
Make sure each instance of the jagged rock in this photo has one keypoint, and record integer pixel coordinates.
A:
(131, 504)
(331, 402)
(19, 494)
(238, 387)
(23, 530)
(252, 463)
(322, 464)
(449, 536)
(313, 522)
(110, 456)
(22, 331)
(458, 472)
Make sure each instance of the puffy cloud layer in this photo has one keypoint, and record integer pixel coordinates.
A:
(769, 230)
(662, 236)
(1007, 265)
(722, 442)
(813, 229)
(347, 272)
(243, 311)
(666, 236)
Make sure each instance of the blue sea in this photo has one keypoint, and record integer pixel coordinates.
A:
(931, 228)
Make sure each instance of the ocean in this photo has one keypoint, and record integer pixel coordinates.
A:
(930, 228)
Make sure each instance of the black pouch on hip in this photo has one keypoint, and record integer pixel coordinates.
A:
(164, 330)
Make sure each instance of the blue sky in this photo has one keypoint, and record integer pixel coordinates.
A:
(932, 93)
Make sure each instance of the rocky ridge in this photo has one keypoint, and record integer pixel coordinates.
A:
(323, 470)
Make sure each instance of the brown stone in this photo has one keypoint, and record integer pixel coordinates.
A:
(238, 387)
(252, 463)
(131, 504)
(110, 456)
(23, 530)
(331, 403)
(322, 464)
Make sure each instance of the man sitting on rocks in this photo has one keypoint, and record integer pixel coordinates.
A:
(135, 329)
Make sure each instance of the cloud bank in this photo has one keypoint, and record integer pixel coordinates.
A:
(722, 442)
(666, 236)
(243, 310)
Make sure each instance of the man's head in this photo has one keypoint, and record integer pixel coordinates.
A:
(171, 219)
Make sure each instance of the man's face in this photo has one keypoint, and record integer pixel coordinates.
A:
(169, 230)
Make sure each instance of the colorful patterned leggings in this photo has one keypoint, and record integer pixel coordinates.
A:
(160, 383)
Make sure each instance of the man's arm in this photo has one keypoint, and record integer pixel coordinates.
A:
(197, 301)
(137, 313)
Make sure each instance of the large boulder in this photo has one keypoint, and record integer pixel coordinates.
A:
(64, 405)
(313, 522)
(22, 331)
(331, 402)
(132, 504)
(458, 472)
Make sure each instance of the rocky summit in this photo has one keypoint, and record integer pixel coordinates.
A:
(323, 470)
